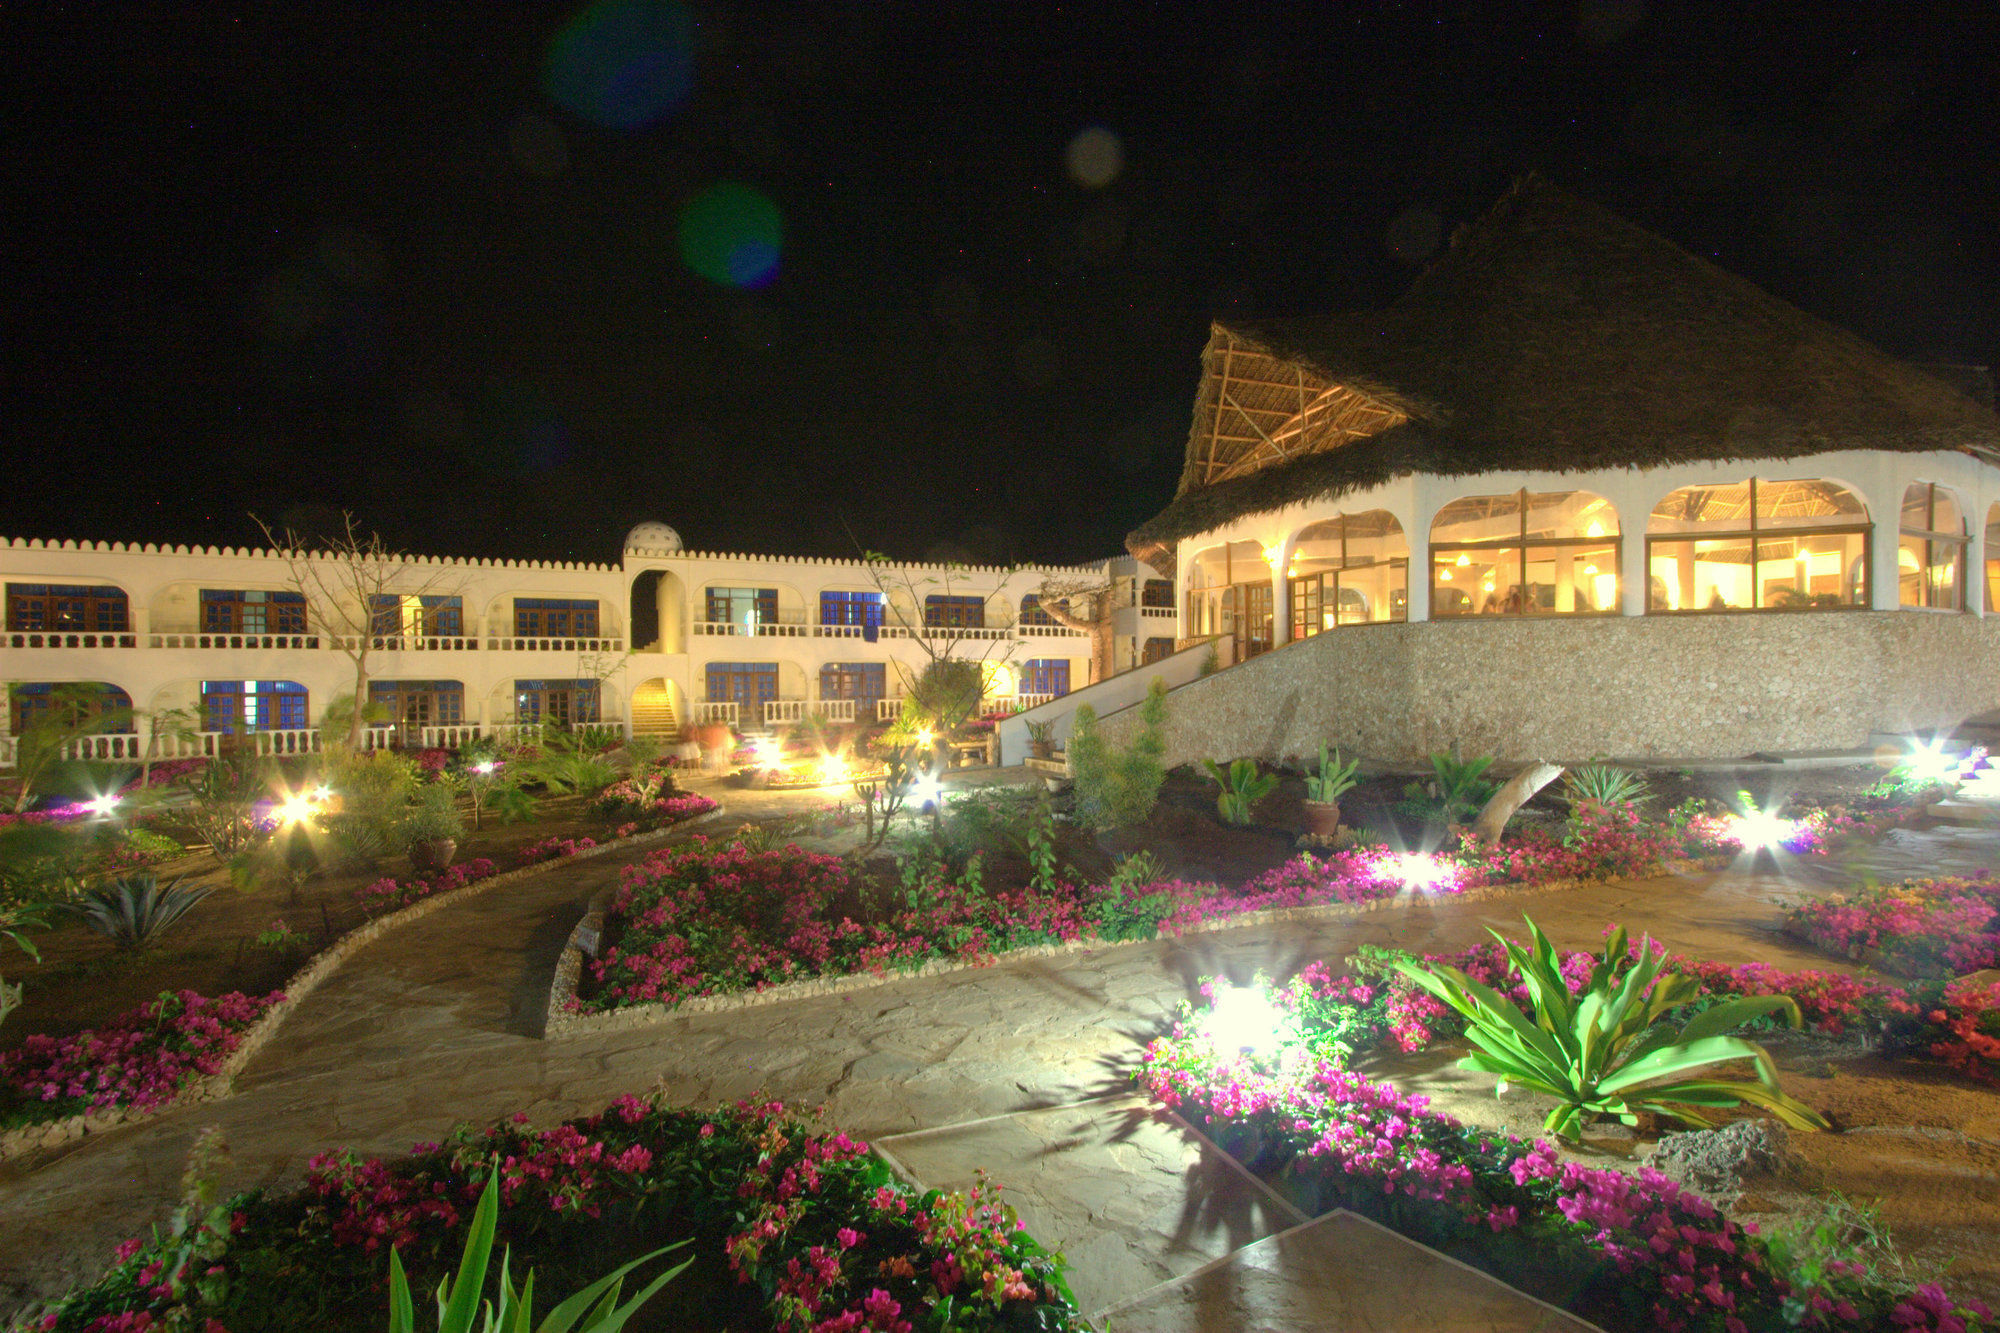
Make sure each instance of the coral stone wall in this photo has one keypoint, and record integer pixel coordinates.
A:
(1689, 687)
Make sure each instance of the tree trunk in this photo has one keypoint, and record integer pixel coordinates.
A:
(1486, 829)
(1099, 630)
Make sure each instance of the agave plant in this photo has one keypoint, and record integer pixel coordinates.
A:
(1606, 784)
(595, 1309)
(1241, 786)
(1607, 1051)
(134, 910)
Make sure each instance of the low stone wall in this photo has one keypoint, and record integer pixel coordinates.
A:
(562, 1021)
(214, 1087)
(1668, 687)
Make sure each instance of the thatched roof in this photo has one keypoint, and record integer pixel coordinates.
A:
(1553, 336)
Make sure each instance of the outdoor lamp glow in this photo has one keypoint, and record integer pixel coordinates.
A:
(484, 767)
(768, 752)
(1421, 870)
(296, 808)
(1929, 763)
(102, 805)
(1759, 829)
(1243, 1018)
(926, 790)
(833, 769)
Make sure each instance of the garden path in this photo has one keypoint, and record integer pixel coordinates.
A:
(433, 1025)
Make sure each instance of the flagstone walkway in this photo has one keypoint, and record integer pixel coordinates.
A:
(434, 1025)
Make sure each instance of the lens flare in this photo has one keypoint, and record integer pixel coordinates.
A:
(101, 805)
(1758, 829)
(926, 791)
(768, 753)
(1095, 157)
(1422, 870)
(731, 234)
(622, 64)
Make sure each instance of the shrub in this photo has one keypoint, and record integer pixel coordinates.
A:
(1605, 784)
(434, 818)
(1118, 788)
(1458, 789)
(1333, 779)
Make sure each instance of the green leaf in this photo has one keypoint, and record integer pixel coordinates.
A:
(402, 1311)
(1734, 1013)
(458, 1301)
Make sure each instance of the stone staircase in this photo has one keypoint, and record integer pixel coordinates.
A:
(653, 715)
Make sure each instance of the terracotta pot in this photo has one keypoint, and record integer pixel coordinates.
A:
(1322, 818)
(434, 855)
(1042, 749)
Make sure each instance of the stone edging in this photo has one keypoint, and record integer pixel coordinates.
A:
(216, 1086)
(563, 1022)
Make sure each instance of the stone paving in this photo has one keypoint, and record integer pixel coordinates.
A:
(434, 1024)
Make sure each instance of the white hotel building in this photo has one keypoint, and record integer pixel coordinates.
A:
(663, 639)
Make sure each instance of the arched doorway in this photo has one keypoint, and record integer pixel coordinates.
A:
(657, 709)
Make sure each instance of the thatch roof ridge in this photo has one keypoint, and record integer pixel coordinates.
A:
(1556, 336)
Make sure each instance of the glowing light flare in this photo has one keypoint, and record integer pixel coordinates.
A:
(1423, 872)
(1928, 763)
(1463, 561)
(1095, 156)
(623, 63)
(1757, 830)
(485, 767)
(926, 791)
(297, 808)
(835, 769)
(767, 753)
(1243, 1018)
(731, 234)
(924, 737)
(101, 806)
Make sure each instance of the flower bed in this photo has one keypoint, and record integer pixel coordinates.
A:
(389, 893)
(792, 1229)
(138, 1061)
(710, 921)
(1625, 1251)
(1920, 928)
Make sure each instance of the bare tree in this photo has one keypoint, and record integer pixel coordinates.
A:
(1085, 603)
(942, 642)
(348, 584)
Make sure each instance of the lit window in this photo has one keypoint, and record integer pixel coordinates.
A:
(1525, 553)
(1758, 546)
(1930, 552)
(1351, 570)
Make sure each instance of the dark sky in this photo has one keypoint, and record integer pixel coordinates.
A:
(425, 261)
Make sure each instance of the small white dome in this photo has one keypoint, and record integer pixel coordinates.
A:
(652, 537)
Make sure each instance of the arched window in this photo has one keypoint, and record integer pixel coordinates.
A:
(1527, 553)
(1351, 570)
(1758, 546)
(1930, 553)
(1993, 557)
(1157, 593)
(92, 704)
(1032, 612)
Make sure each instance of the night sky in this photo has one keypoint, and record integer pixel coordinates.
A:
(505, 279)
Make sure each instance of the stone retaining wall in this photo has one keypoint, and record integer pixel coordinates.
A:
(214, 1087)
(1675, 687)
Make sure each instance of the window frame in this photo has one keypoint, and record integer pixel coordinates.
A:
(1753, 535)
(1301, 589)
(1931, 538)
(1517, 546)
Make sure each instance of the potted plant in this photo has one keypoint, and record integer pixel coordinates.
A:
(432, 828)
(1042, 740)
(1324, 790)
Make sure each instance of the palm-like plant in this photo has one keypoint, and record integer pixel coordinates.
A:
(135, 910)
(1606, 1051)
(595, 1309)
(1241, 786)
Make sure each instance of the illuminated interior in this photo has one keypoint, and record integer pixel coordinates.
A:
(1350, 570)
(1525, 553)
(1930, 553)
(1758, 546)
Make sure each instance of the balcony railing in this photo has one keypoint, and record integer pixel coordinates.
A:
(288, 641)
(552, 644)
(1158, 612)
(715, 710)
(888, 710)
(67, 639)
(415, 643)
(781, 629)
(1048, 632)
(438, 736)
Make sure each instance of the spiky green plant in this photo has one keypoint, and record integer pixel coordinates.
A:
(595, 1309)
(137, 909)
(1333, 779)
(1606, 784)
(1608, 1051)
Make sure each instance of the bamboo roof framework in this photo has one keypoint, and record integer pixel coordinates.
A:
(1552, 336)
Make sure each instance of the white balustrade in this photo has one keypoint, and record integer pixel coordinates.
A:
(986, 632)
(888, 710)
(835, 710)
(303, 740)
(514, 644)
(115, 745)
(783, 629)
(64, 639)
(1027, 701)
(1158, 612)
(783, 710)
(715, 710)
(418, 643)
(1048, 632)
(292, 642)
